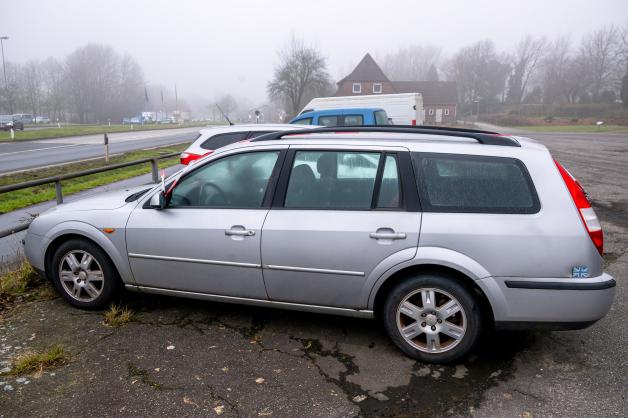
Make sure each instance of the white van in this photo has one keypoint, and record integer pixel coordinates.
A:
(402, 109)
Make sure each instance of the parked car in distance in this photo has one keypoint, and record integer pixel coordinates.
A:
(8, 122)
(401, 108)
(438, 232)
(210, 139)
(24, 117)
(342, 117)
(42, 119)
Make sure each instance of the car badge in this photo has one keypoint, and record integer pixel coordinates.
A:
(580, 272)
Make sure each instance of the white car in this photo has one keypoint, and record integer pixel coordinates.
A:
(213, 138)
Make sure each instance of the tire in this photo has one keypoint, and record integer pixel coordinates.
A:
(97, 280)
(440, 332)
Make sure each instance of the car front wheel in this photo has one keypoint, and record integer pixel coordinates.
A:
(432, 318)
(84, 275)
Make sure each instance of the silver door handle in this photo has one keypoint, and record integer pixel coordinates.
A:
(387, 235)
(240, 232)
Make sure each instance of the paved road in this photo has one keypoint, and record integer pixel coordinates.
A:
(30, 154)
(189, 358)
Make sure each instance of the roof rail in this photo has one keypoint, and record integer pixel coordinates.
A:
(483, 137)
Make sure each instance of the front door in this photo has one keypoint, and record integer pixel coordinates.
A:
(208, 239)
(338, 216)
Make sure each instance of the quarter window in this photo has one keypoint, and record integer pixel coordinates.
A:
(328, 120)
(357, 88)
(353, 120)
(332, 180)
(468, 184)
(389, 190)
(235, 181)
(221, 140)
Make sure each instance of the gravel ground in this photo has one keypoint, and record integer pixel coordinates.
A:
(190, 358)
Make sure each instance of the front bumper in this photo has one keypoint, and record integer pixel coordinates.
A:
(548, 303)
(35, 250)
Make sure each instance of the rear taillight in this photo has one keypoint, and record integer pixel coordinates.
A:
(587, 214)
(189, 157)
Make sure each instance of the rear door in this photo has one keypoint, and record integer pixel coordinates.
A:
(336, 215)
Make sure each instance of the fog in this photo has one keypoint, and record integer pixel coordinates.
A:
(211, 48)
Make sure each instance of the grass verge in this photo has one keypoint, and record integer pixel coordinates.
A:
(116, 316)
(77, 130)
(22, 283)
(26, 197)
(30, 362)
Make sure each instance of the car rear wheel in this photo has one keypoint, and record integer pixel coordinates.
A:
(84, 275)
(432, 318)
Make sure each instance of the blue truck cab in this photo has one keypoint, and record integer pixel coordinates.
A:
(342, 117)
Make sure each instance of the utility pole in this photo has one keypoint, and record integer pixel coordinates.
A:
(4, 71)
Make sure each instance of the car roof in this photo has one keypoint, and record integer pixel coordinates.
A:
(417, 142)
(250, 127)
(339, 111)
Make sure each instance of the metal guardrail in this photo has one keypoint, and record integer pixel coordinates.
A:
(58, 179)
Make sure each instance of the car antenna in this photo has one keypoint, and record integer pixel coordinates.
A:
(224, 115)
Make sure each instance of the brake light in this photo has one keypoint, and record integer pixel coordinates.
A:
(413, 122)
(189, 157)
(587, 214)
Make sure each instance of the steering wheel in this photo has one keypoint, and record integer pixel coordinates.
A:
(203, 198)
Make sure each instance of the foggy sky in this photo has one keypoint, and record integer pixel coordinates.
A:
(213, 47)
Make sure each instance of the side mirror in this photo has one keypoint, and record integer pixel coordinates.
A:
(159, 201)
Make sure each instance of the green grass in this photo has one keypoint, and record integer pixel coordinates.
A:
(116, 315)
(75, 130)
(575, 128)
(16, 282)
(54, 356)
(26, 197)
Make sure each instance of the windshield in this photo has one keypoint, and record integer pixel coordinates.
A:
(6, 118)
(381, 118)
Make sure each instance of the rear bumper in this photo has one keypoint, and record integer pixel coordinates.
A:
(548, 303)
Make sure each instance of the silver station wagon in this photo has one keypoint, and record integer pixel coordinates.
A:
(439, 232)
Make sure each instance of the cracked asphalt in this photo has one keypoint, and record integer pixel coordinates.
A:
(191, 358)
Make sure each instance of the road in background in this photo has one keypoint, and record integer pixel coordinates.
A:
(15, 156)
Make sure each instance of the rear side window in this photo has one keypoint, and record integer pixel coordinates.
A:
(222, 140)
(474, 184)
(353, 120)
(328, 120)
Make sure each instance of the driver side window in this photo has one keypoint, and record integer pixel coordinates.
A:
(237, 181)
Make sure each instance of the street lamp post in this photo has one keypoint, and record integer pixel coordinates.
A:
(4, 71)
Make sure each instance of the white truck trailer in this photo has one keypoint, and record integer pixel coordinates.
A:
(402, 109)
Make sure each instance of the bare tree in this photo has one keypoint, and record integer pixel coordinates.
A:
(480, 74)
(103, 85)
(300, 76)
(555, 69)
(527, 57)
(600, 54)
(32, 87)
(412, 63)
(54, 79)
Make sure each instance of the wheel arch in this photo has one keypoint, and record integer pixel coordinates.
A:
(383, 287)
(89, 233)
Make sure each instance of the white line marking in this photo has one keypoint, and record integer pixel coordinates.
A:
(38, 149)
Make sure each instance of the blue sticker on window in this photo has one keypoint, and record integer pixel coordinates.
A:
(580, 272)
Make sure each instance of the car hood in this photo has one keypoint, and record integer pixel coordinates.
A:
(104, 201)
